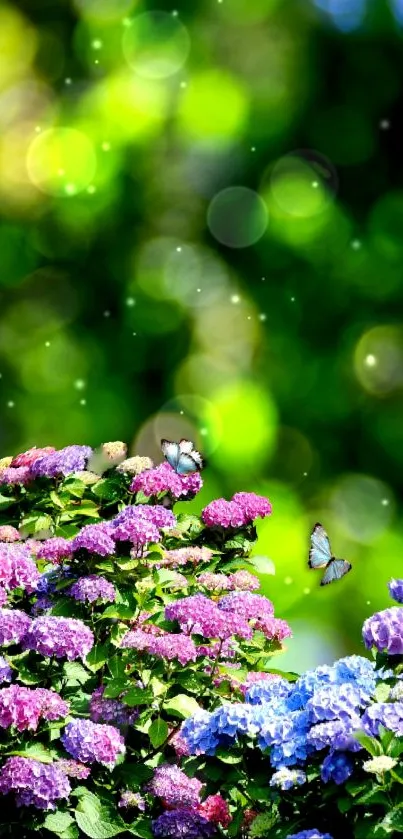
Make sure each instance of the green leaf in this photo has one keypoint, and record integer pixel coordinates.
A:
(57, 501)
(181, 706)
(158, 732)
(135, 774)
(98, 657)
(227, 757)
(382, 692)
(345, 804)
(106, 489)
(75, 673)
(36, 751)
(6, 502)
(137, 696)
(122, 612)
(62, 824)
(393, 821)
(369, 743)
(26, 675)
(98, 819)
(74, 487)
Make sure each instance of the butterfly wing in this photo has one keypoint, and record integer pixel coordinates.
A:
(187, 447)
(186, 464)
(171, 452)
(320, 552)
(336, 569)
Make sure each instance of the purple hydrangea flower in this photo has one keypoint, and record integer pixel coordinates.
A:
(187, 824)
(62, 462)
(60, 637)
(396, 590)
(199, 615)
(139, 531)
(93, 588)
(175, 788)
(337, 767)
(156, 514)
(24, 707)
(162, 479)
(222, 513)
(387, 714)
(110, 710)
(384, 630)
(13, 626)
(253, 506)
(89, 742)
(6, 673)
(29, 457)
(73, 769)
(248, 605)
(17, 475)
(17, 568)
(55, 549)
(286, 778)
(131, 799)
(167, 645)
(309, 834)
(96, 539)
(3, 596)
(338, 734)
(35, 784)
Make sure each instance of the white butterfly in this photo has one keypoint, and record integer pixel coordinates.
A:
(182, 456)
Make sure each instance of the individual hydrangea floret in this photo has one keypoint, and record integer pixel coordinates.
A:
(90, 742)
(18, 475)
(6, 672)
(163, 479)
(287, 778)
(93, 588)
(396, 590)
(215, 809)
(62, 462)
(59, 637)
(55, 550)
(35, 784)
(337, 767)
(110, 710)
(183, 823)
(174, 787)
(384, 630)
(9, 533)
(74, 769)
(96, 539)
(31, 455)
(130, 799)
(24, 707)
(14, 625)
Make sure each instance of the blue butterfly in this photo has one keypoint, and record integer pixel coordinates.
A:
(182, 456)
(320, 556)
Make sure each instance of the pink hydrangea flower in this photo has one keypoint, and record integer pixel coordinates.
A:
(163, 478)
(216, 810)
(31, 455)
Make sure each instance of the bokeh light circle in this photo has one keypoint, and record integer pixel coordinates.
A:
(61, 161)
(156, 45)
(237, 217)
(303, 182)
(363, 507)
(378, 360)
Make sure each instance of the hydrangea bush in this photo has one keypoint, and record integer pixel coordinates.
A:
(138, 695)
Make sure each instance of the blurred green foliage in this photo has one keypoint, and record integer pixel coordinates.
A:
(144, 294)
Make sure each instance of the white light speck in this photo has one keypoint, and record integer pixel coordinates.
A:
(107, 313)
(262, 316)
(183, 84)
(96, 61)
(198, 289)
(1, 375)
(134, 333)
(70, 189)
(292, 299)
(10, 404)
(315, 184)
(249, 317)
(79, 384)
(181, 413)
(130, 301)
(127, 21)
(67, 81)
(305, 474)
(175, 13)
(288, 580)
(235, 298)
(384, 124)
(91, 189)
(385, 502)
(47, 343)
(97, 44)
(371, 360)
(356, 244)
(83, 401)
(263, 279)
(307, 590)
(368, 602)
(37, 128)
(106, 146)
(179, 250)
(253, 148)
(203, 432)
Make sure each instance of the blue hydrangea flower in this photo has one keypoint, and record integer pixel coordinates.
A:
(337, 767)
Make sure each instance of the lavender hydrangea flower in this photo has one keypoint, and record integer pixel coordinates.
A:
(59, 637)
(96, 539)
(338, 734)
(337, 767)
(201, 616)
(73, 769)
(14, 624)
(130, 799)
(62, 462)
(167, 645)
(23, 707)
(174, 787)
(17, 475)
(287, 778)
(387, 714)
(55, 549)
(384, 630)
(214, 582)
(336, 702)
(309, 834)
(156, 514)
(17, 568)
(93, 588)
(139, 531)
(247, 604)
(89, 742)
(110, 710)
(396, 590)
(163, 478)
(6, 673)
(3, 596)
(35, 784)
(187, 824)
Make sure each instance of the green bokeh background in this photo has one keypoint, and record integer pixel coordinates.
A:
(139, 300)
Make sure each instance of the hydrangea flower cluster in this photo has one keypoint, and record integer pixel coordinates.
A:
(110, 710)
(59, 637)
(243, 509)
(62, 462)
(165, 645)
(6, 673)
(14, 625)
(17, 568)
(200, 616)
(35, 784)
(96, 539)
(174, 787)
(89, 742)
(188, 824)
(55, 550)
(93, 588)
(182, 556)
(163, 479)
(24, 707)
(8, 533)
(384, 631)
